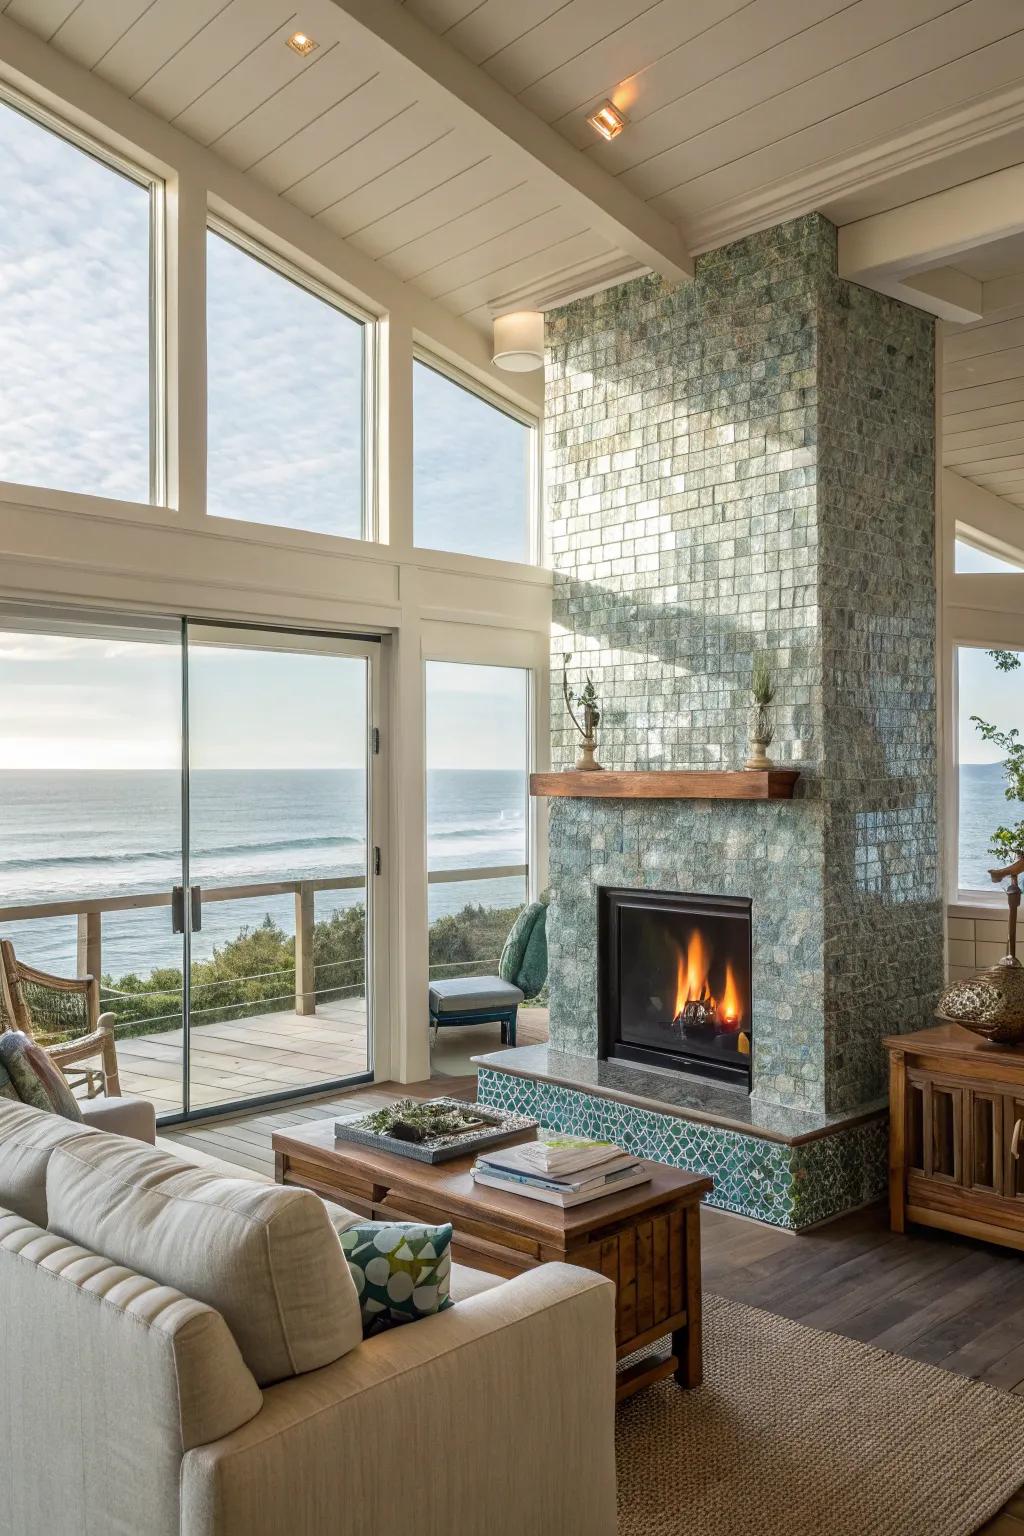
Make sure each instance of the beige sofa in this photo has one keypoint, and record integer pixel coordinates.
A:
(182, 1353)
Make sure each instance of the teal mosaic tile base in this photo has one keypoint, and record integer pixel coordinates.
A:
(788, 1186)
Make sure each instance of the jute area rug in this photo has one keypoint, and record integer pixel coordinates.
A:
(801, 1433)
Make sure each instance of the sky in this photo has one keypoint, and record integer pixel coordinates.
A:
(74, 318)
(996, 696)
(970, 560)
(72, 701)
(285, 372)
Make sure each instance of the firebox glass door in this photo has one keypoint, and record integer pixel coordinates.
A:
(684, 983)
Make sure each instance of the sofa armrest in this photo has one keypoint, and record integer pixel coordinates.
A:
(496, 1416)
(122, 1117)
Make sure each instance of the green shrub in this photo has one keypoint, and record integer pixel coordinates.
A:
(254, 973)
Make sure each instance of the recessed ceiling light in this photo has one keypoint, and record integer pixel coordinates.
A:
(301, 44)
(608, 121)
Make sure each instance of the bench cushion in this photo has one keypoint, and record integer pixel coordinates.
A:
(471, 994)
(268, 1259)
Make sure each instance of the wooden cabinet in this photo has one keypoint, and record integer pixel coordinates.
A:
(956, 1134)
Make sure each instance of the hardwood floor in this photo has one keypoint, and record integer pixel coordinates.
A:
(932, 1297)
(245, 1138)
(945, 1300)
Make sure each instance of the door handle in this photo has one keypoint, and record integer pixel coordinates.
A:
(1015, 1141)
(195, 897)
(177, 909)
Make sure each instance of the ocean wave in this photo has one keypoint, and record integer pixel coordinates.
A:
(144, 855)
(496, 828)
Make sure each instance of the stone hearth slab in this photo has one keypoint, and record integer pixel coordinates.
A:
(790, 1168)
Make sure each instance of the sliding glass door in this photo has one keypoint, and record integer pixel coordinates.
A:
(91, 820)
(185, 812)
(278, 850)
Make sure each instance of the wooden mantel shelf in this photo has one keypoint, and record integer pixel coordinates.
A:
(686, 784)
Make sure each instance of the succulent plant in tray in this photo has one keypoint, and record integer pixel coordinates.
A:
(427, 1120)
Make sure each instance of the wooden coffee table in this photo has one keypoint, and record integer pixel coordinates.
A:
(646, 1239)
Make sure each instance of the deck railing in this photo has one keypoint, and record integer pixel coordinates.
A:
(90, 911)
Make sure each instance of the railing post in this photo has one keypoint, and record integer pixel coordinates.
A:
(305, 973)
(90, 944)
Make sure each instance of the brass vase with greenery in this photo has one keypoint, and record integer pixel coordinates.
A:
(762, 729)
(588, 719)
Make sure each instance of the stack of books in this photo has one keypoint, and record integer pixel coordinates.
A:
(561, 1170)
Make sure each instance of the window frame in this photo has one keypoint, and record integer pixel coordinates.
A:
(499, 402)
(156, 187)
(369, 413)
(982, 546)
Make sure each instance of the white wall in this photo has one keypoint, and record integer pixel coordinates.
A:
(177, 559)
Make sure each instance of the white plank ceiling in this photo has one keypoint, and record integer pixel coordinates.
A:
(983, 382)
(726, 99)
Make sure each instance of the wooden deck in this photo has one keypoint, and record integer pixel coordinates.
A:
(245, 1058)
(242, 1058)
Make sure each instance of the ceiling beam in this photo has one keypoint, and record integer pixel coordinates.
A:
(898, 252)
(950, 294)
(615, 212)
(934, 230)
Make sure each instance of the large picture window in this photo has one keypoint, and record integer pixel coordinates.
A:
(78, 381)
(473, 471)
(287, 400)
(990, 687)
(477, 812)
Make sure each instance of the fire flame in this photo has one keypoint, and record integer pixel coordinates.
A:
(731, 1006)
(692, 969)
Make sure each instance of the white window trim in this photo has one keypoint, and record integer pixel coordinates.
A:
(157, 190)
(293, 273)
(535, 529)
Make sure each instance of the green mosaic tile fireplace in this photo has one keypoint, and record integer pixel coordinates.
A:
(737, 465)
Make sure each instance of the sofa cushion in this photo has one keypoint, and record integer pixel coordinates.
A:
(268, 1259)
(467, 994)
(39, 1082)
(73, 1305)
(467, 1282)
(27, 1139)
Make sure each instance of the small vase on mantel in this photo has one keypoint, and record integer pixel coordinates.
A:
(762, 729)
(590, 710)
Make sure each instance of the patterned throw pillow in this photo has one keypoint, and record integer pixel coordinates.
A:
(402, 1271)
(7, 1088)
(35, 1078)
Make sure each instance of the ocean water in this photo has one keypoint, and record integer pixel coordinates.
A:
(65, 835)
(71, 834)
(983, 807)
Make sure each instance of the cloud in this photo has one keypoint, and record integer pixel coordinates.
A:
(74, 318)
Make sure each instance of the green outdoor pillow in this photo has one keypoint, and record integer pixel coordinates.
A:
(35, 1078)
(524, 960)
(402, 1271)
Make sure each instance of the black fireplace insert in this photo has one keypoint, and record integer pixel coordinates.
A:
(674, 982)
